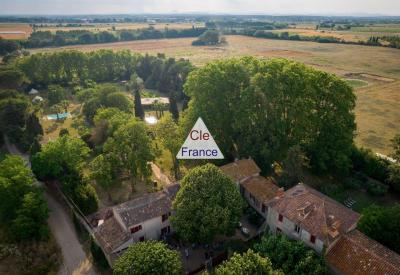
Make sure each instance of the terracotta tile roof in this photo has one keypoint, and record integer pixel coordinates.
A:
(146, 207)
(316, 213)
(111, 235)
(263, 189)
(240, 169)
(356, 254)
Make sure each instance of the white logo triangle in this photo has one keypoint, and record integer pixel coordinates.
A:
(199, 144)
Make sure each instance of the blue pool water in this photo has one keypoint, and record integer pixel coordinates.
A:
(60, 116)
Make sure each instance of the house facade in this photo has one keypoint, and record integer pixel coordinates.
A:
(304, 214)
(144, 218)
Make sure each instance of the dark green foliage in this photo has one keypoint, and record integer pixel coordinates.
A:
(63, 132)
(210, 37)
(149, 257)
(59, 157)
(11, 78)
(253, 108)
(375, 188)
(56, 94)
(22, 206)
(365, 161)
(139, 112)
(60, 38)
(207, 204)
(31, 218)
(383, 225)
(291, 256)
(8, 46)
(353, 183)
(105, 96)
(86, 198)
(98, 255)
(173, 108)
(246, 263)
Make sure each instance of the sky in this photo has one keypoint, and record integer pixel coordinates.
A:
(270, 7)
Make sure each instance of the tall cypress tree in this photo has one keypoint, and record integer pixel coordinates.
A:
(139, 112)
(173, 108)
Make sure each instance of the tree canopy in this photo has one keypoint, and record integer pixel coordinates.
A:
(57, 158)
(291, 256)
(263, 107)
(22, 206)
(149, 257)
(246, 263)
(208, 203)
(382, 224)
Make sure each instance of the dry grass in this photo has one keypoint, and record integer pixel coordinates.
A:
(15, 27)
(377, 105)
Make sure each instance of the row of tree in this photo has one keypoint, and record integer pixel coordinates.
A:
(77, 68)
(61, 38)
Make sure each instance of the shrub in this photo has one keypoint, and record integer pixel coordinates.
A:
(353, 183)
(98, 255)
(86, 198)
(375, 188)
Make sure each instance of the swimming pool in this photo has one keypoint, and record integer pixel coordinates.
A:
(60, 116)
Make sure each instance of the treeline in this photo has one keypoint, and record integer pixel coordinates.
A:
(393, 41)
(158, 72)
(61, 38)
(254, 25)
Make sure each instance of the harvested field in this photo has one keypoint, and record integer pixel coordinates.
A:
(117, 26)
(377, 111)
(15, 31)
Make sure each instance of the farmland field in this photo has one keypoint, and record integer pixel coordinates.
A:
(117, 26)
(377, 111)
(15, 30)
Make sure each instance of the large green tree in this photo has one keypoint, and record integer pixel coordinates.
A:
(130, 150)
(149, 257)
(382, 224)
(15, 181)
(263, 107)
(207, 204)
(57, 158)
(22, 207)
(31, 218)
(291, 256)
(247, 263)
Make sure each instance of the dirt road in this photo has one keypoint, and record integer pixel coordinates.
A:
(75, 260)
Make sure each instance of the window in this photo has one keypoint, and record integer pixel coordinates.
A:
(312, 239)
(263, 208)
(297, 229)
(136, 229)
(280, 218)
(141, 239)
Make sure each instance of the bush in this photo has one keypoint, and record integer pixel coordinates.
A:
(98, 255)
(86, 198)
(353, 183)
(375, 188)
